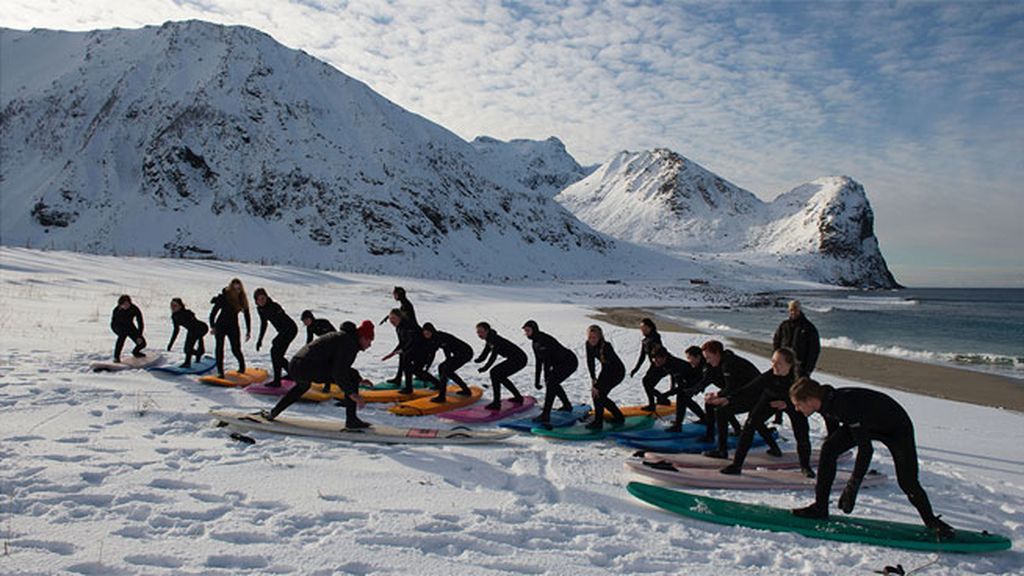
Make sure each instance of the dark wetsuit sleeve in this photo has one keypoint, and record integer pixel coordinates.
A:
(309, 334)
(864, 451)
(248, 321)
(263, 325)
(217, 303)
(113, 319)
(813, 350)
(174, 333)
(137, 314)
(591, 357)
(640, 360)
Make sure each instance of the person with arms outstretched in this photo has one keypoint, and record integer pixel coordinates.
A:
(555, 362)
(272, 313)
(514, 361)
(195, 332)
(861, 416)
(227, 305)
(126, 322)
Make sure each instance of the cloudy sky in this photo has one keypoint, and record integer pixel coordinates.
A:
(923, 103)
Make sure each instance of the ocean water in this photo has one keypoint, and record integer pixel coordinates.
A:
(979, 329)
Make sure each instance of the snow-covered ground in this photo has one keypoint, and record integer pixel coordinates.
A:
(125, 473)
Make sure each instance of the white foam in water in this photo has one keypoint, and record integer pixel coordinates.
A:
(994, 363)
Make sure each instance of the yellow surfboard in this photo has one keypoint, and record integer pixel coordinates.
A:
(423, 406)
(233, 378)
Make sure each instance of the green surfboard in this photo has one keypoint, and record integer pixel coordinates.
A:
(843, 529)
(580, 431)
(417, 384)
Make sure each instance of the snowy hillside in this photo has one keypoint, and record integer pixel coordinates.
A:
(194, 139)
(545, 166)
(823, 230)
(125, 474)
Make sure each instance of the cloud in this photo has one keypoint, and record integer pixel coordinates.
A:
(922, 102)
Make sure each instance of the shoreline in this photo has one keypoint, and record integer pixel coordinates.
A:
(947, 382)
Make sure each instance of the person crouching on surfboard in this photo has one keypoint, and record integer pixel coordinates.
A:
(195, 331)
(555, 362)
(456, 354)
(686, 376)
(328, 359)
(514, 361)
(410, 350)
(861, 416)
(126, 322)
(271, 312)
(315, 326)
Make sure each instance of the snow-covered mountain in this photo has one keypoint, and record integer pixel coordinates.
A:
(541, 165)
(198, 139)
(823, 230)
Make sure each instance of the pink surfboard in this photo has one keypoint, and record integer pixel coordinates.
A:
(478, 414)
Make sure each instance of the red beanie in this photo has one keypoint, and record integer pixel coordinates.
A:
(365, 330)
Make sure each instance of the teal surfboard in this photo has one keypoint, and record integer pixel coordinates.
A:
(841, 528)
(580, 432)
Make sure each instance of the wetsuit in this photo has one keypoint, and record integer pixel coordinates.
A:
(613, 371)
(456, 354)
(861, 416)
(128, 324)
(318, 327)
(748, 398)
(224, 319)
(731, 373)
(327, 359)
(413, 355)
(410, 314)
(762, 391)
(685, 383)
(273, 313)
(556, 363)
(514, 361)
(195, 332)
(654, 374)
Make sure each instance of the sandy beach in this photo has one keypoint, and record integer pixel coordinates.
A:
(930, 379)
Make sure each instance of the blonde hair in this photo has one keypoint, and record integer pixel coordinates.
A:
(238, 301)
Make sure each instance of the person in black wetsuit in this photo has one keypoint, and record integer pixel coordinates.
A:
(556, 363)
(315, 326)
(398, 293)
(195, 331)
(224, 323)
(126, 322)
(271, 312)
(613, 372)
(410, 350)
(770, 392)
(860, 416)
(514, 361)
(686, 376)
(728, 372)
(651, 341)
(456, 354)
(329, 359)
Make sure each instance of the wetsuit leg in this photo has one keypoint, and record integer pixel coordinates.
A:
(839, 442)
(235, 339)
(218, 348)
(710, 416)
(190, 345)
(119, 345)
(140, 343)
(605, 384)
(500, 377)
(200, 348)
(694, 407)
(278, 350)
(761, 413)
(293, 395)
(650, 381)
(904, 456)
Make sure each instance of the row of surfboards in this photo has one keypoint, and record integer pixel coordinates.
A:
(668, 457)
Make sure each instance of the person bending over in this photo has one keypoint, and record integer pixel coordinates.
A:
(315, 326)
(613, 372)
(195, 332)
(126, 322)
(271, 312)
(555, 362)
(514, 361)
